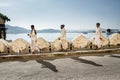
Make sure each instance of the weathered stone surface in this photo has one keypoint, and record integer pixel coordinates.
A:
(65, 44)
(19, 46)
(56, 55)
(104, 41)
(114, 39)
(59, 44)
(79, 68)
(56, 44)
(80, 42)
(42, 44)
(3, 45)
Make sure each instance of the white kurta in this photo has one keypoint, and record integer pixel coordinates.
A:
(33, 40)
(97, 37)
(63, 33)
(63, 41)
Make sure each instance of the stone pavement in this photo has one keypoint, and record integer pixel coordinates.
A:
(82, 68)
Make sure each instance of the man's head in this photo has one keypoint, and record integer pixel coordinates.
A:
(32, 26)
(97, 25)
(62, 26)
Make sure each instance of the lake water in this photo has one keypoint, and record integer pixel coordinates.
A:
(49, 36)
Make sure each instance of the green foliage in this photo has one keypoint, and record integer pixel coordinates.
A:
(4, 17)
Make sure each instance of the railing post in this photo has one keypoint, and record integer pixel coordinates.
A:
(50, 47)
(90, 45)
(8, 50)
(70, 46)
(29, 49)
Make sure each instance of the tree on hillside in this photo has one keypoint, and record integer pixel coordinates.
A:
(4, 17)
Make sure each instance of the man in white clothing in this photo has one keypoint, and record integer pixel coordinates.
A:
(63, 41)
(63, 32)
(98, 36)
(33, 36)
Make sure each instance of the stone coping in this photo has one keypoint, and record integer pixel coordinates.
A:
(57, 55)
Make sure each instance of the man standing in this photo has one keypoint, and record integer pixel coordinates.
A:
(33, 36)
(98, 36)
(63, 32)
(63, 40)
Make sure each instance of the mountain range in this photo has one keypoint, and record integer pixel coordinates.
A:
(17, 30)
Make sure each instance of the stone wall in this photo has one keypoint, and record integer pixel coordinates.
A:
(80, 42)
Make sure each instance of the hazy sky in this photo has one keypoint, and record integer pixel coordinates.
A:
(75, 14)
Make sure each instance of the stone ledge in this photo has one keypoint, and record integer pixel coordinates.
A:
(56, 55)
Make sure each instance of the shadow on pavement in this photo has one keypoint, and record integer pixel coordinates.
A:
(46, 64)
(87, 62)
(114, 56)
(22, 60)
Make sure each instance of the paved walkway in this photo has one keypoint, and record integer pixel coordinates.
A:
(82, 68)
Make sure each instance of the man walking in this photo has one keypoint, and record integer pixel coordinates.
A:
(98, 36)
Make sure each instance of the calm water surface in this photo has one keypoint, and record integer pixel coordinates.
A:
(49, 36)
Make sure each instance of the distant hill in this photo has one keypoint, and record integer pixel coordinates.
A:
(15, 29)
(48, 31)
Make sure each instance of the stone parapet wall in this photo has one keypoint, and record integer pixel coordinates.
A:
(20, 46)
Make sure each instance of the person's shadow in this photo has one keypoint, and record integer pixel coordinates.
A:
(46, 64)
(114, 56)
(87, 61)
